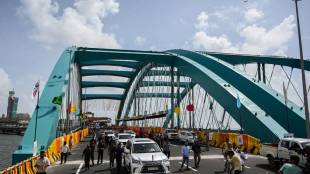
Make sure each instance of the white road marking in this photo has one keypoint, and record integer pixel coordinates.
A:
(174, 158)
(189, 167)
(80, 167)
(247, 167)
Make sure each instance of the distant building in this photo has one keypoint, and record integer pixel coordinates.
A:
(22, 116)
(12, 105)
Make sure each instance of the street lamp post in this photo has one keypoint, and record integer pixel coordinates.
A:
(304, 86)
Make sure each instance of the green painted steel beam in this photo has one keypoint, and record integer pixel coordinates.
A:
(162, 73)
(48, 113)
(102, 56)
(236, 59)
(95, 72)
(90, 84)
(127, 64)
(162, 83)
(102, 96)
(264, 97)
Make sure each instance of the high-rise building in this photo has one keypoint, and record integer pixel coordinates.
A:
(12, 105)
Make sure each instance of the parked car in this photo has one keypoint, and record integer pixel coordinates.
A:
(284, 150)
(133, 134)
(109, 133)
(123, 138)
(171, 134)
(145, 156)
(186, 136)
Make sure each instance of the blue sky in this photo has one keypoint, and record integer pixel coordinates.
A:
(33, 33)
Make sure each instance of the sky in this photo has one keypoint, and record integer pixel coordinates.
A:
(33, 33)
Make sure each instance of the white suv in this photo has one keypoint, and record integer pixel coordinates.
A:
(143, 155)
(186, 136)
(171, 134)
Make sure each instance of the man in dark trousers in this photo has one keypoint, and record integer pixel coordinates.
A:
(92, 145)
(100, 148)
(119, 156)
(112, 149)
(86, 155)
(197, 152)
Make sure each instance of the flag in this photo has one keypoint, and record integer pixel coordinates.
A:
(238, 102)
(35, 90)
(285, 93)
(57, 100)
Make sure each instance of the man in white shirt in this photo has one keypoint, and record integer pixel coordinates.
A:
(42, 163)
(64, 153)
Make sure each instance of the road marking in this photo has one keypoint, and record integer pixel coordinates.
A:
(247, 167)
(175, 158)
(174, 145)
(79, 169)
(189, 167)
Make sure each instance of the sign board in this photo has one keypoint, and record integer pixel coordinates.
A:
(35, 148)
(240, 139)
(210, 136)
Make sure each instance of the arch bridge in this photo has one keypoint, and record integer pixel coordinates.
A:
(152, 85)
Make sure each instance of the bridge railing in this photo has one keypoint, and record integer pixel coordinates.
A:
(244, 142)
(53, 153)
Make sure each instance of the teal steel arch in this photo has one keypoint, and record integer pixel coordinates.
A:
(262, 108)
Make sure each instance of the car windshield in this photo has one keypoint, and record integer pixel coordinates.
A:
(171, 131)
(146, 148)
(124, 136)
(304, 144)
(189, 134)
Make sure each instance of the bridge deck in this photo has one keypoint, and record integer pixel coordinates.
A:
(212, 162)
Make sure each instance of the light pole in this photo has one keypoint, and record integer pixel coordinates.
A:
(304, 86)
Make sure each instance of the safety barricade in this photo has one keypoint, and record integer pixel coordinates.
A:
(52, 153)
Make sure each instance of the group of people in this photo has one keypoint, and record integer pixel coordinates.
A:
(115, 152)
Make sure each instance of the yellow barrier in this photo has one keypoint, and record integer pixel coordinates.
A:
(52, 153)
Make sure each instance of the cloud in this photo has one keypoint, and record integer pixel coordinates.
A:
(202, 20)
(256, 39)
(202, 40)
(81, 24)
(140, 40)
(259, 40)
(5, 87)
(252, 15)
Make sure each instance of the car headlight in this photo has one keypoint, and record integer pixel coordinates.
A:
(166, 160)
(135, 161)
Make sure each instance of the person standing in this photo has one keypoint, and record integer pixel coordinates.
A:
(86, 155)
(42, 163)
(119, 156)
(185, 154)
(92, 145)
(234, 162)
(70, 143)
(197, 152)
(112, 149)
(100, 148)
(166, 148)
(227, 146)
(292, 167)
(64, 153)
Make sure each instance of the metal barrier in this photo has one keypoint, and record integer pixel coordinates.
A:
(52, 153)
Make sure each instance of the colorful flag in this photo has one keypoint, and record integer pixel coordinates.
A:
(238, 102)
(35, 90)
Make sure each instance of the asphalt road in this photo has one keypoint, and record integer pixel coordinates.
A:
(212, 162)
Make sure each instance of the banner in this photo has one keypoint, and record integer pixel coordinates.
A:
(35, 148)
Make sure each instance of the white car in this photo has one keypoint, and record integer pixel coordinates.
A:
(145, 156)
(123, 138)
(109, 133)
(186, 136)
(171, 134)
(133, 134)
